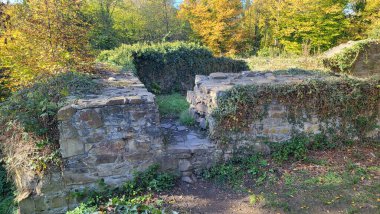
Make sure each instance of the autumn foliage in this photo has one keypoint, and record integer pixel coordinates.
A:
(45, 37)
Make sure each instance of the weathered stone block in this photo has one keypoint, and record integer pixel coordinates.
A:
(102, 159)
(116, 101)
(58, 201)
(218, 76)
(184, 165)
(66, 113)
(91, 117)
(71, 147)
(135, 100)
(75, 178)
(27, 206)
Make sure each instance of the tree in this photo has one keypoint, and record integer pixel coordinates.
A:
(45, 37)
(297, 26)
(217, 22)
(129, 21)
(4, 23)
(103, 35)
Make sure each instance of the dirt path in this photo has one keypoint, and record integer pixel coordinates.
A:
(205, 197)
(338, 181)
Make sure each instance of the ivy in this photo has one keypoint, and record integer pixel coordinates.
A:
(344, 106)
(344, 61)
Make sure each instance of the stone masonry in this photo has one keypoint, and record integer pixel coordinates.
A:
(105, 136)
(272, 128)
(110, 135)
(366, 63)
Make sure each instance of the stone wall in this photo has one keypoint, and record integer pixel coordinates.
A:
(108, 137)
(105, 136)
(365, 63)
(273, 127)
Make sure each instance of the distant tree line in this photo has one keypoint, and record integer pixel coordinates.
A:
(39, 37)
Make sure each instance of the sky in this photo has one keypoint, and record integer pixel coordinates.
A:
(11, 1)
(176, 2)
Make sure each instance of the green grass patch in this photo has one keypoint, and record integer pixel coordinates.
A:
(172, 105)
(186, 119)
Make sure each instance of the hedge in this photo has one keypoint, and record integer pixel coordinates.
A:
(170, 67)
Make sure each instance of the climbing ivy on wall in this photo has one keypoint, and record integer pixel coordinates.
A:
(344, 61)
(348, 106)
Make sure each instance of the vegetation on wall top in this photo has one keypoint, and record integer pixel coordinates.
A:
(344, 60)
(29, 123)
(347, 106)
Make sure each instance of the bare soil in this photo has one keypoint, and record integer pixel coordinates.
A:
(337, 181)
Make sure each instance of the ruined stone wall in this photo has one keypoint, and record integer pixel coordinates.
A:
(273, 127)
(358, 58)
(106, 136)
(110, 136)
(367, 63)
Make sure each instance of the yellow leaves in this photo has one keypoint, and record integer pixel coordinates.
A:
(216, 21)
(44, 37)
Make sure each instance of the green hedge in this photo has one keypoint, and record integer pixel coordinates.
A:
(169, 67)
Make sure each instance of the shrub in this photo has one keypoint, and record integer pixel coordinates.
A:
(4, 81)
(28, 123)
(150, 180)
(7, 204)
(35, 107)
(168, 67)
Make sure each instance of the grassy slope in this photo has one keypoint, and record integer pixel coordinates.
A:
(282, 63)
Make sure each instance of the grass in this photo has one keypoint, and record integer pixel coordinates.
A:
(284, 63)
(336, 180)
(172, 105)
(186, 119)
(175, 106)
